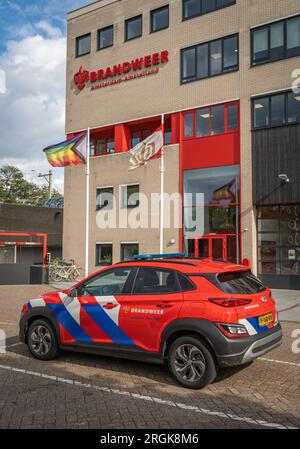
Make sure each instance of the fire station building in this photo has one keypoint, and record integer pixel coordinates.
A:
(224, 74)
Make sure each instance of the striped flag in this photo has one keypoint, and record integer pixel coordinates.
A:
(146, 150)
(70, 152)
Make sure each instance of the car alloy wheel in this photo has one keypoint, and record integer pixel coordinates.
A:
(41, 340)
(190, 363)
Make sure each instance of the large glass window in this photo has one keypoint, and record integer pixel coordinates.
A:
(211, 120)
(133, 28)
(275, 41)
(221, 189)
(276, 110)
(279, 240)
(193, 8)
(83, 45)
(105, 37)
(160, 19)
(209, 59)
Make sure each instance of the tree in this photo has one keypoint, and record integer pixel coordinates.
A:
(15, 189)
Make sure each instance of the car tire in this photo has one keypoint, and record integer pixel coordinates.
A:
(191, 362)
(42, 340)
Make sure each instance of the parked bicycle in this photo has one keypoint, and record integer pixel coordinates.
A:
(62, 270)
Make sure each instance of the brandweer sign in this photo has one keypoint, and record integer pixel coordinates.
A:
(119, 73)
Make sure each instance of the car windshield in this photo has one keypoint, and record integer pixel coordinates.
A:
(240, 282)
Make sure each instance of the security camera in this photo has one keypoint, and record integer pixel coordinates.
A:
(283, 178)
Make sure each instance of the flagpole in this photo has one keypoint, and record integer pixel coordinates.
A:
(87, 216)
(162, 180)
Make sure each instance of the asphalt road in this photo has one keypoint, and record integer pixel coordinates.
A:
(83, 391)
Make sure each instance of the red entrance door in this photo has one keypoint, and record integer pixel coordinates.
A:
(214, 247)
(211, 247)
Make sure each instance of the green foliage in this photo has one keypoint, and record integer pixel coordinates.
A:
(15, 189)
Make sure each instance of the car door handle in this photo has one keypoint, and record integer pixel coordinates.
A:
(165, 305)
(110, 305)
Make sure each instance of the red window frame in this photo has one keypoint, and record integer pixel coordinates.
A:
(226, 130)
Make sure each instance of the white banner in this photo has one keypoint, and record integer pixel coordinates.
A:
(146, 150)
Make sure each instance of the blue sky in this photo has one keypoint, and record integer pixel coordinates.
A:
(32, 82)
(18, 18)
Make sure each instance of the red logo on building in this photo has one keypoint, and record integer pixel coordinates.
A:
(118, 73)
(81, 78)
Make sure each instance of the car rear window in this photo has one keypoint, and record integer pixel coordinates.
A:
(240, 282)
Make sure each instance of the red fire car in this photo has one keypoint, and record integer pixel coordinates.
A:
(194, 315)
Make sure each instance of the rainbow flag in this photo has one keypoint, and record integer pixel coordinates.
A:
(70, 152)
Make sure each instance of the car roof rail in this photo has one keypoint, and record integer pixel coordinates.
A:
(162, 258)
(158, 256)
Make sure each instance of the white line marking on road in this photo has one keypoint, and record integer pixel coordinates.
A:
(283, 362)
(8, 324)
(155, 400)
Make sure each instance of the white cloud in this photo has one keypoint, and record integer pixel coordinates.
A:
(50, 30)
(2, 82)
(32, 110)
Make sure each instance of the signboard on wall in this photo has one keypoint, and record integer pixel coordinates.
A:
(126, 71)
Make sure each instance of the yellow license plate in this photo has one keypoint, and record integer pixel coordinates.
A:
(265, 320)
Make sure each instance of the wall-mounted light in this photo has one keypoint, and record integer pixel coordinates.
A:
(284, 178)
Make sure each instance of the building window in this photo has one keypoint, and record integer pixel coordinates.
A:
(275, 41)
(168, 136)
(160, 19)
(139, 136)
(105, 198)
(276, 110)
(83, 45)
(104, 254)
(211, 121)
(130, 196)
(105, 145)
(105, 37)
(194, 8)
(209, 59)
(129, 250)
(232, 117)
(278, 240)
(133, 28)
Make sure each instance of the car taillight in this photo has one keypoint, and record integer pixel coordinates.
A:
(230, 302)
